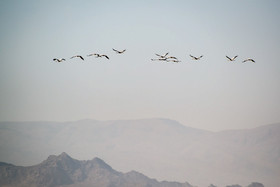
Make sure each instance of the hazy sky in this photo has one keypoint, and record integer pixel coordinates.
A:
(212, 93)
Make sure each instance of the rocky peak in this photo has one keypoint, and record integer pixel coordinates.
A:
(97, 162)
(62, 156)
(62, 161)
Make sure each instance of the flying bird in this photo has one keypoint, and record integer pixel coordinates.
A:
(162, 56)
(78, 56)
(172, 57)
(59, 59)
(196, 58)
(105, 56)
(249, 59)
(98, 55)
(232, 59)
(175, 60)
(166, 58)
(160, 59)
(119, 52)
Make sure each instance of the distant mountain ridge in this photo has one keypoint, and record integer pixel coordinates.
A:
(160, 148)
(62, 170)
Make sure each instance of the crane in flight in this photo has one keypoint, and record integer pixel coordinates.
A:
(119, 52)
(98, 55)
(249, 60)
(174, 60)
(159, 59)
(196, 58)
(58, 59)
(162, 56)
(77, 56)
(232, 59)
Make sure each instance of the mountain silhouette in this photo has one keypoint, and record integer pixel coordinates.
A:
(62, 170)
(161, 148)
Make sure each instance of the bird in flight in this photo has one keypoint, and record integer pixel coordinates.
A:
(59, 59)
(166, 58)
(196, 58)
(159, 59)
(98, 55)
(249, 59)
(78, 56)
(163, 56)
(174, 60)
(232, 59)
(119, 52)
(172, 57)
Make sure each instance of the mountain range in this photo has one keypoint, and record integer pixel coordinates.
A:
(64, 171)
(160, 148)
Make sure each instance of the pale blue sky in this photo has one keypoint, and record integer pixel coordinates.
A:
(211, 94)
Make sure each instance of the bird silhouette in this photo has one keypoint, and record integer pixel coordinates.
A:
(162, 56)
(249, 60)
(98, 55)
(77, 56)
(119, 52)
(174, 60)
(166, 58)
(232, 59)
(196, 58)
(59, 59)
(159, 59)
(172, 57)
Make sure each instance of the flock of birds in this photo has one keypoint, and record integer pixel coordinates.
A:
(164, 57)
(167, 58)
(97, 55)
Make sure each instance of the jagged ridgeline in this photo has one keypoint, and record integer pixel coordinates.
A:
(160, 148)
(62, 170)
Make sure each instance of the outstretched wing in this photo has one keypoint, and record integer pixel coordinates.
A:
(251, 60)
(229, 58)
(166, 54)
(106, 56)
(81, 57)
(158, 55)
(172, 57)
(115, 50)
